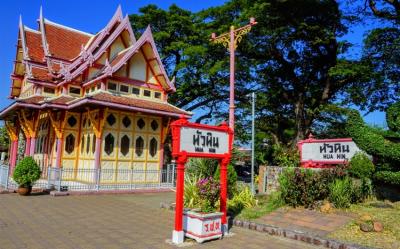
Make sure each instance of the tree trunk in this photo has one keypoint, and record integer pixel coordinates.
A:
(299, 121)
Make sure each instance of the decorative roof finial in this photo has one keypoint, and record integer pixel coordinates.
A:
(20, 20)
(41, 12)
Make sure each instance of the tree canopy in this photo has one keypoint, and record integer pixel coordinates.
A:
(294, 59)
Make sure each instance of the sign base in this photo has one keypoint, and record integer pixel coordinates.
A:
(177, 237)
(225, 230)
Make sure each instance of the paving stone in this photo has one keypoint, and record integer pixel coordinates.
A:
(305, 220)
(108, 221)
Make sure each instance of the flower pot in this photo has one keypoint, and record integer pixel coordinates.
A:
(202, 226)
(22, 190)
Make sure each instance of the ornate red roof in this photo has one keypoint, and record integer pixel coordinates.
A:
(34, 44)
(136, 102)
(60, 100)
(64, 43)
(41, 74)
(31, 100)
(56, 55)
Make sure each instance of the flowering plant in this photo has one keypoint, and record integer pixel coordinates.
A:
(208, 192)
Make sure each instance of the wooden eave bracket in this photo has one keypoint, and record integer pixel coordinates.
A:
(166, 130)
(12, 131)
(30, 125)
(23, 126)
(98, 124)
(59, 125)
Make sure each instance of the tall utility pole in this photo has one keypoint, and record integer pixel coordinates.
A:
(253, 105)
(230, 41)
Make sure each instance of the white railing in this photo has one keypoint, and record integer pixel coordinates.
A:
(63, 179)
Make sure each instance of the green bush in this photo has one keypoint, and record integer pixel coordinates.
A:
(201, 167)
(360, 166)
(232, 179)
(341, 192)
(191, 197)
(243, 198)
(284, 157)
(304, 187)
(27, 172)
(388, 177)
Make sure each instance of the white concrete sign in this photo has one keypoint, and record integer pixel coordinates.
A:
(329, 151)
(197, 140)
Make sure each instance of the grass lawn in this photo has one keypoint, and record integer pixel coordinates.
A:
(265, 205)
(386, 212)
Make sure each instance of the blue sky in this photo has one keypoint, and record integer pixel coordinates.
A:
(91, 16)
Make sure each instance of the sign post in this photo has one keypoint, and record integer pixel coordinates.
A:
(204, 141)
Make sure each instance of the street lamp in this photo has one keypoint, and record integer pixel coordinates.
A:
(230, 41)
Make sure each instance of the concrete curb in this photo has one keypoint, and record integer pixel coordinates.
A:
(109, 192)
(296, 235)
(286, 233)
(6, 191)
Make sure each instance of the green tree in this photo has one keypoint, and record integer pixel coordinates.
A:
(292, 58)
(184, 45)
(381, 51)
(292, 55)
(4, 139)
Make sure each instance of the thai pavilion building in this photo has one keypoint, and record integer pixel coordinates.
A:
(89, 101)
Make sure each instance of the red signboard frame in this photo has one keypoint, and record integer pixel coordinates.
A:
(320, 163)
(181, 158)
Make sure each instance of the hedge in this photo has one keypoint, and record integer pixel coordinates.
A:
(369, 141)
(389, 177)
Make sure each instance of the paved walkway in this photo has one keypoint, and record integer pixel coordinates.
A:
(105, 221)
(305, 220)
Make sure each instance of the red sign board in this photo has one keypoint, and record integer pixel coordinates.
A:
(205, 141)
(320, 153)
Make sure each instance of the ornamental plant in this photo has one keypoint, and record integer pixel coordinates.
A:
(361, 166)
(208, 193)
(27, 172)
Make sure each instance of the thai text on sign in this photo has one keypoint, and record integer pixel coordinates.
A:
(197, 140)
(328, 151)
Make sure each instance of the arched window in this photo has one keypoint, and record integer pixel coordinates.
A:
(94, 144)
(83, 143)
(126, 122)
(70, 143)
(141, 123)
(87, 144)
(109, 144)
(153, 147)
(154, 125)
(111, 119)
(72, 121)
(125, 142)
(139, 146)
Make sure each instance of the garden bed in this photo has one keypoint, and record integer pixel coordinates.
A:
(386, 212)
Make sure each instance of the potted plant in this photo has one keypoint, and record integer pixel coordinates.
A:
(26, 174)
(204, 223)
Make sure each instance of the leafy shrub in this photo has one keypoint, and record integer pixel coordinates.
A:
(202, 167)
(27, 172)
(304, 187)
(285, 157)
(360, 166)
(366, 188)
(191, 197)
(209, 193)
(341, 192)
(265, 205)
(388, 177)
(232, 179)
(243, 198)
